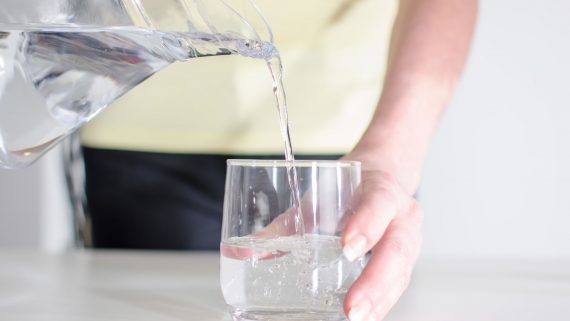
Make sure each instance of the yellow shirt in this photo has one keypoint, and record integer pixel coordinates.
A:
(225, 105)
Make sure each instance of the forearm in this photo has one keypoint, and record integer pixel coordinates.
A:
(429, 46)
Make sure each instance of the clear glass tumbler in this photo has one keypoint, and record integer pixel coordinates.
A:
(272, 267)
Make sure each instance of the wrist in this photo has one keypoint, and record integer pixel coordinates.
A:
(379, 157)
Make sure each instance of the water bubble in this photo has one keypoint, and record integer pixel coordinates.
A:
(254, 262)
(341, 291)
(274, 280)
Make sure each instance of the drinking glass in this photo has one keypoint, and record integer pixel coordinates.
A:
(279, 262)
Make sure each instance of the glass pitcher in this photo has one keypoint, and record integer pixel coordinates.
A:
(63, 61)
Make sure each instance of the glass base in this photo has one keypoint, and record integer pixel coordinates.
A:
(285, 315)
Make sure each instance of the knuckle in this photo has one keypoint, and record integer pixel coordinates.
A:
(390, 179)
(405, 281)
(399, 248)
(415, 212)
(418, 245)
(382, 180)
(389, 194)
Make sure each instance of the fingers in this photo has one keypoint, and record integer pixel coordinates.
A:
(282, 225)
(389, 269)
(243, 253)
(382, 199)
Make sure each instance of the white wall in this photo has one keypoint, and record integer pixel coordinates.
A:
(19, 207)
(497, 182)
(33, 206)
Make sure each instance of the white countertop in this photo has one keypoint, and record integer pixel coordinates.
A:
(178, 286)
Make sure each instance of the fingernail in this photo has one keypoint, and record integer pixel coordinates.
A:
(371, 317)
(355, 247)
(360, 311)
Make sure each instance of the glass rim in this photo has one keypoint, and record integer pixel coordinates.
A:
(297, 163)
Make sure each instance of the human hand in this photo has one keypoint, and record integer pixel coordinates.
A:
(387, 219)
(388, 223)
